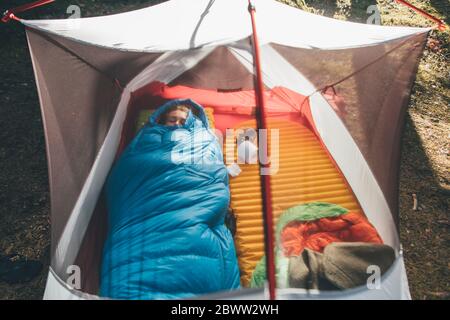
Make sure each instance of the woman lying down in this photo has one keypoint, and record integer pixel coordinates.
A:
(167, 197)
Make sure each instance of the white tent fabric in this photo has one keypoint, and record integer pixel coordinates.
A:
(176, 26)
(393, 286)
(181, 24)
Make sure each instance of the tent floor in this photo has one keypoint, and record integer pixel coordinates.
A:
(306, 173)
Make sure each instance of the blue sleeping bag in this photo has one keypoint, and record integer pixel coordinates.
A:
(167, 197)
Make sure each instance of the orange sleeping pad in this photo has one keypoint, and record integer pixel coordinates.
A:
(306, 174)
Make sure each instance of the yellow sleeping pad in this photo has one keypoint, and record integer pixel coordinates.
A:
(305, 174)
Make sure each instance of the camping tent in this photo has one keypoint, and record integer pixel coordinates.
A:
(350, 81)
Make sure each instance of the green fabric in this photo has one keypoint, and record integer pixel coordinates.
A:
(309, 212)
(304, 212)
(281, 268)
(259, 274)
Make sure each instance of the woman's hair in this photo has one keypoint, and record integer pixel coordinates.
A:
(181, 107)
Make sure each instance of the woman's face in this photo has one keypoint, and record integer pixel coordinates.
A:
(176, 118)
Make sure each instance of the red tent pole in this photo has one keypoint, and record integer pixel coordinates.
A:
(265, 179)
(441, 24)
(11, 13)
